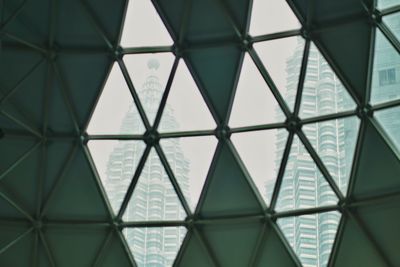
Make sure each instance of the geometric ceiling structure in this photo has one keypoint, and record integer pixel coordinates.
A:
(119, 147)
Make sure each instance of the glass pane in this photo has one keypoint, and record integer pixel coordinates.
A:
(185, 109)
(261, 152)
(303, 185)
(335, 142)
(389, 119)
(149, 74)
(311, 236)
(323, 92)
(190, 159)
(154, 246)
(154, 198)
(386, 71)
(282, 59)
(254, 103)
(116, 163)
(382, 4)
(109, 118)
(269, 16)
(393, 22)
(143, 26)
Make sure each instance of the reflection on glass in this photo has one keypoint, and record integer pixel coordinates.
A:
(323, 92)
(386, 71)
(190, 159)
(382, 4)
(109, 118)
(186, 104)
(149, 82)
(389, 119)
(269, 16)
(154, 246)
(261, 153)
(254, 103)
(154, 198)
(116, 163)
(335, 142)
(143, 26)
(303, 185)
(393, 22)
(311, 236)
(282, 58)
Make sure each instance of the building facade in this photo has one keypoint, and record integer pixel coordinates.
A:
(154, 198)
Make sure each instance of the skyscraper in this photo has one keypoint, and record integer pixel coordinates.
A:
(303, 184)
(154, 198)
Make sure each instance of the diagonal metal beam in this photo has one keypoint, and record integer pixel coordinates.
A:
(47, 249)
(14, 241)
(15, 14)
(98, 259)
(17, 206)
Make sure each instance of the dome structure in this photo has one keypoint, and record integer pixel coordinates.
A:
(200, 133)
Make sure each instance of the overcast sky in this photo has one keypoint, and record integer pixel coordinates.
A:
(254, 105)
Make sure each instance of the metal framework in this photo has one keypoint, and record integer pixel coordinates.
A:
(194, 223)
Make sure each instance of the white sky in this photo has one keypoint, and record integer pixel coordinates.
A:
(255, 103)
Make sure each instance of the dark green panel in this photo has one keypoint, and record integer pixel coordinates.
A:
(382, 221)
(75, 246)
(9, 232)
(82, 78)
(194, 254)
(13, 149)
(27, 101)
(330, 10)
(355, 249)
(172, 12)
(379, 169)
(32, 22)
(239, 11)
(77, 196)
(77, 31)
(228, 192)
(23, 248)
(216, 26)
(57, 154)
(347, 46)
(22, 182)
(233, 244)
(273, 252)
(108, 13)
(59, 119)
(114, 254)
(17, 63)
(216, 68)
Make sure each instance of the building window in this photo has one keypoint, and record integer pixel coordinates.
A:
(387, 76)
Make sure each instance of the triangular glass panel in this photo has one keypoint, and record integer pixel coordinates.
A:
(392, 21)
(385, 81)
(185, 109)
(79, 186)
(116, 163)
(323, 92)
(143, 26)
(282, 58)
(228, 192)
(154, 198)
(109, 118)
(383, 4)
(254, 103)
(270, 16)
(190, 159)
(311, 236)
(389, 119)
(261, 153)
(194, 253)
(154, 246)
(303, 185)
(233, 243)
(335, 142)
(149, 74)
